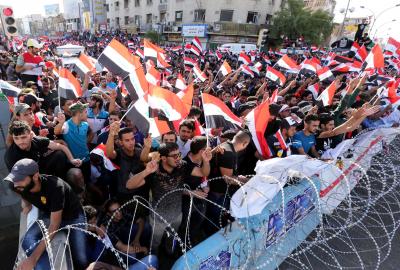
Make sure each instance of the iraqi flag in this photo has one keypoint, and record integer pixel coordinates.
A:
(314, 89)
(68, 85)
(189, 61)
(361, 53)
(139, 52)
(176, 49)
(136, 83)
(84, 65)
(153, 76)
(199, 74)
(275, 76)
(217, 114)
(256, 68)
(326, 96)
(310, 65)
(180, 82)
(355, 47)
(100, 150)
(150, 50)
(325, 74)
(244, 58)
(187, 96)
(195, 50)
(161, 62)
(196, 43)
(392, 45)
(117, 59)
(288, 63)
(246, 70)
(374, 59)
(139, 114)
(167, 102)
(225, 68)
(218, 55)
(257, 122)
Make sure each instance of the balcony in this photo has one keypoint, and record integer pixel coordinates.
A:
(239, 29)
(162, 7)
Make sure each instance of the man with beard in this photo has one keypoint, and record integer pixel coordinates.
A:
(30, 64)
(304, 141)
(164, 177)
(51, 156)
(96, 115)
(59, 207)
(49, 96)
(186, 129)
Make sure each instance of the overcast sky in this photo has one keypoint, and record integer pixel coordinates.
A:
(383, 23)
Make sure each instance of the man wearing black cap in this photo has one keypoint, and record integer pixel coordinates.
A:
(59, 207)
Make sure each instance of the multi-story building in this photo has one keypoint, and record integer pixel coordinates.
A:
(214, 22)
(326, 5)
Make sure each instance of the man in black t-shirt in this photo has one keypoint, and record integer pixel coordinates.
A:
(52, 157)
(164, 178)
(225, 165)
(129, 157)
(59, 207)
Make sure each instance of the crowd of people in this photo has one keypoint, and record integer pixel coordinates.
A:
(152, 198)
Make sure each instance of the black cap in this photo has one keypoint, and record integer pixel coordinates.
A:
(31, 99)
(23, 168)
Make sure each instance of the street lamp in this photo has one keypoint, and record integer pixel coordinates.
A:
(383, 11)
(394, 20)
(345, 15)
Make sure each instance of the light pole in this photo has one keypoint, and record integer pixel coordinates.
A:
(383, 11)
(394, 20)
(344, 19)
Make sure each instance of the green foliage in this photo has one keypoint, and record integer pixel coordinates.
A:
(153, 36)
(294, 21)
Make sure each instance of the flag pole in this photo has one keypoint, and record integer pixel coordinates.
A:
(127, 111)
(205, 119)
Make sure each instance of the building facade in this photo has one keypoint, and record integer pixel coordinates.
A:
(215, 22)
(326, 5)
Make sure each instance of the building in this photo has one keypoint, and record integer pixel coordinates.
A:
(326, 5)
(214, 22)
(72, 14)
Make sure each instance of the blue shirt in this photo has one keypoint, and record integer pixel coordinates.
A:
(76, 138)
(96, 122)
(112, 85)
(300, 140)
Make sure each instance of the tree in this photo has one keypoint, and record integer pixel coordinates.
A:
(153, 36)
(294, 21)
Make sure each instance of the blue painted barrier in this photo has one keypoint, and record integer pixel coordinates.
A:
(262, 241)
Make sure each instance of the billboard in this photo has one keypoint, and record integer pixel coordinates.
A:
(51, 10)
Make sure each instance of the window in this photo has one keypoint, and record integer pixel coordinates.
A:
(149, 18)
(163, 16)
(108, 20)
(126, 3)
(107, 7)
(163, 1)
(252, 17)
(137, 20)
(126, 20)
(116, 6)
(226, 15)
(137, 3)
(178, 16)
(199, 15)
(149, 2)
(117, 21)
(268, 19)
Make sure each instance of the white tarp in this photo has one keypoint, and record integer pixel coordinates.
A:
(69, 49)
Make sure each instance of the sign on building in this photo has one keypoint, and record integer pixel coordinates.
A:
(194, 30)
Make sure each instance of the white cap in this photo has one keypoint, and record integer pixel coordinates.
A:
(34, 43)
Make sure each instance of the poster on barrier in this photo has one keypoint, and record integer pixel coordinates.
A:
(221, 261)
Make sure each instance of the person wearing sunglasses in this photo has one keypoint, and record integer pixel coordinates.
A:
(166, 176)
